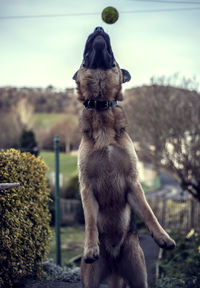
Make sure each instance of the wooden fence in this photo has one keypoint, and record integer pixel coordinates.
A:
(180, 214)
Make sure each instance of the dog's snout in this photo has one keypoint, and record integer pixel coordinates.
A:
(98, 29)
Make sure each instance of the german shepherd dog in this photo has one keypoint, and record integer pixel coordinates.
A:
(109, 185)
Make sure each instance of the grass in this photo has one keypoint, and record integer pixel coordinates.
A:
(68, 163)
(46, 119)
(49, 120)
(72, 241)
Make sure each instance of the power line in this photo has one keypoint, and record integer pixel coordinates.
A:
(95, 13)
(47, 15)
(165, 1)
(161, 10)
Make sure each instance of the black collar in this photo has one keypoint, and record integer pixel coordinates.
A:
(99, 105)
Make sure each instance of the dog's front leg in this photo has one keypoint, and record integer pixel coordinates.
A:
(90, 208)
(138, 203)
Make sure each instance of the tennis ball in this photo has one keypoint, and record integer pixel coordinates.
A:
(110, 15)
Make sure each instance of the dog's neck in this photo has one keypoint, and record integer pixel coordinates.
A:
(103, 127)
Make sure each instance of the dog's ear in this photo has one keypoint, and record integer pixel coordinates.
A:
(126, 75)
(75, 76)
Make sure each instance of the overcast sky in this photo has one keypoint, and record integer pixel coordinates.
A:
(48, 50)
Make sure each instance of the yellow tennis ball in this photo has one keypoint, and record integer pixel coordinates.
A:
(110, 15)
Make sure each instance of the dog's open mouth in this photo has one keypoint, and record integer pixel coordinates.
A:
(98, 52)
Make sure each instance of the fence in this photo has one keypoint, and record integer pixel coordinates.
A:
(180, 214)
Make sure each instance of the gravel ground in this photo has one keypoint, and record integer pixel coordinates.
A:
(151, 254)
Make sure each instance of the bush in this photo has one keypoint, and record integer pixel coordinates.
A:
(72, 188)
(52, 209)
(181, 267)
(24, 217)
(28, 142)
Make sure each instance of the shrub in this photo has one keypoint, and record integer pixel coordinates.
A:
(52, 209)
(181, 267)
(28, 142)
(72, 188)
(24, 217)
(27, 139)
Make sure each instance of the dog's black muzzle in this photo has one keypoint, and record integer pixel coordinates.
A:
(98, 52)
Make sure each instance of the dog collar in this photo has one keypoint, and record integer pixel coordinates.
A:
(99, 105)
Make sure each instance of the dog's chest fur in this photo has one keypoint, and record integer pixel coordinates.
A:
(107, 170)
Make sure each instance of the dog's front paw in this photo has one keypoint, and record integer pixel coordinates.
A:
(164, 241)
(91, 254)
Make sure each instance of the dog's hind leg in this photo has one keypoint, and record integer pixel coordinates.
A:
(93, 274)
(132, 265)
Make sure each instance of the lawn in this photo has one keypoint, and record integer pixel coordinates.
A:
(68, 163)
(72, 242)
(50, 119)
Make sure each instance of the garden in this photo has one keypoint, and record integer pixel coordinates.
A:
(181, 267)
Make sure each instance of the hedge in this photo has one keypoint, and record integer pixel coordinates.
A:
(24, 217)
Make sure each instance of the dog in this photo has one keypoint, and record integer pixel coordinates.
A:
(108, 176)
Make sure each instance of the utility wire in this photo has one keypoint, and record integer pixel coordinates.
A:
(47, 15)
(95, 13)
(160, 10)
(165, 1)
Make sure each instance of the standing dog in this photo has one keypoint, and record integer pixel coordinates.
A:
(108, 176)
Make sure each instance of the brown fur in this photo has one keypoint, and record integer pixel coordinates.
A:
(110, 188)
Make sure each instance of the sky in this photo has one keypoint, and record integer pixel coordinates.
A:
(146, 41)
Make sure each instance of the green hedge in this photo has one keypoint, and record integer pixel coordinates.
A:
(24, 217)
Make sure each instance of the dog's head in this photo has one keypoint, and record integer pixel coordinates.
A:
(100, 77)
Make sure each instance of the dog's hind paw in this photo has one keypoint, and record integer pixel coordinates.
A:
(91, 254)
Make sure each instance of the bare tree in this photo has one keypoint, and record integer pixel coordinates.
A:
(67, 131)
(166, 123)
(10, 130)
(24, 109)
